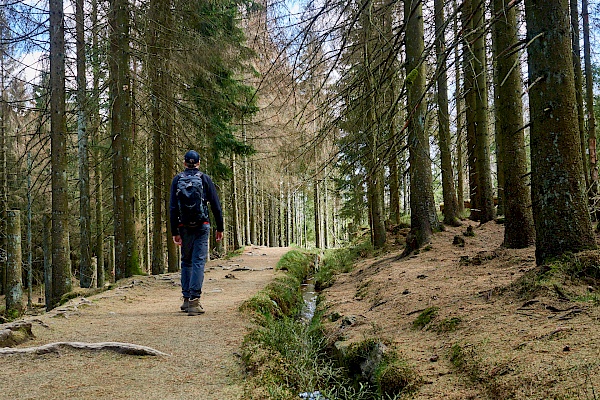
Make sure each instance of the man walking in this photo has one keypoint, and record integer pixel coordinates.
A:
(191, 192)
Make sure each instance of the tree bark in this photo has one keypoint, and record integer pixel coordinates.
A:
(95, 134)
(61, 263)
(589, 95)
(449, 192)
(423, 217)
(3, 155)
(482, 141)
(460, 188)
(373, 161)
(87, 276)
(579, 87)
(14, 292)
(246, 197)
(46, 222)
(126, 257)
(235, 211)
(519, 230)
(557, 184)
(157, 61)
(470, 95)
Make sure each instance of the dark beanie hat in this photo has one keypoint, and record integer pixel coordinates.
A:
(192, 157)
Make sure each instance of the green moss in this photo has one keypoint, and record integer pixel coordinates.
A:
(337, 261)
(395, 377)
(425, 317)
(457, 356)
(357, 353)
(448, 325)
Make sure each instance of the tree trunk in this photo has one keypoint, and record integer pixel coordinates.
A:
(247, 236)
(470, 95)
(460, 185)
(557, 184)
(3, 167)
(87, 276)
(126, 258)
(95, 126)
(254, 207)
(395, 211)
(111, 258)
(374, 168)
(168, 157)
(235, 212)
(14, 293)
(423, 217)
(449, 192)
(47, 248)
(317, 213)
(61, 263)
(589, 95)
(519, 230)
(482, 141)
(271, 221)
(157, 61)
(579, 86)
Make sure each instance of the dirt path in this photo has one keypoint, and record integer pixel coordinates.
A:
(204, 350)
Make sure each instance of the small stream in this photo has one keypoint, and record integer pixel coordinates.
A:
(310, 300)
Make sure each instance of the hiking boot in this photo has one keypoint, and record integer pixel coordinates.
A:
(194, 307)
(185, 305)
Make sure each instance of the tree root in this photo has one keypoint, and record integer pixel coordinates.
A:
(15, 333)
(123, 348)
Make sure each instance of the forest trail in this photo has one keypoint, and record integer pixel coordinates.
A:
(204, 350)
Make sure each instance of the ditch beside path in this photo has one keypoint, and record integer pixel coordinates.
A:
(204, 361)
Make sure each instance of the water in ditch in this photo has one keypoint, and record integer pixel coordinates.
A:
(309, 295)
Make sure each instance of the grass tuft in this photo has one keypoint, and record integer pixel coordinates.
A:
(425, 318)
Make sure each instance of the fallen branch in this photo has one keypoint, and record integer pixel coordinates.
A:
(123, 348)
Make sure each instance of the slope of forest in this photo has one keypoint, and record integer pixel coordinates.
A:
(495, 331)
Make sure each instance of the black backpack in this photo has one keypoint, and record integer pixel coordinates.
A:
(190, 197)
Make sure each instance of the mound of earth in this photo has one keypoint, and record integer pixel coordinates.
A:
(503, 345)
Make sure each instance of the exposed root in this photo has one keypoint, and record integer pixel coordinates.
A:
(123, 348)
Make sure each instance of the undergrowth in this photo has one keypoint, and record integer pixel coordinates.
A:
(337, 261)
(466, 361)
(570, 277)
(285, 356)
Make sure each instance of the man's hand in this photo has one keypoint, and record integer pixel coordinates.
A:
(177, 240)
(219, 236)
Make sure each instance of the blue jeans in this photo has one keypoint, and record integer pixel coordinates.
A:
(194, 249)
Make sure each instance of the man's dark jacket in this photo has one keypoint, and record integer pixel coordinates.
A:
(210, 196)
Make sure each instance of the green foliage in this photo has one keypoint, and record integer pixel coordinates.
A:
(457, 356)
(425, 317)
(216, 87)
(286, 356)
(448, 325)
(395, 377)
(390, 375)
(282, 297)
(297, 263)
(567, 276)
(467, 362)
(338, 261)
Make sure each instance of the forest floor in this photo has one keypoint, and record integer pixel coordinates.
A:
(537, 347)
(507, 340)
